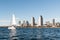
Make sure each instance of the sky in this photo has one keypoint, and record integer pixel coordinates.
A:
(25, 9)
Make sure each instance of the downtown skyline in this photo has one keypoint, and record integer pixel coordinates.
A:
(25, 9)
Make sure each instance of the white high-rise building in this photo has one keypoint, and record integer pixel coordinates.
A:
(39, 23)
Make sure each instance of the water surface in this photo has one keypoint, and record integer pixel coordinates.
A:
(30, 34)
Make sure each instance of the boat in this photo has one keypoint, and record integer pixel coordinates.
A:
(13, 23)
(12, 27)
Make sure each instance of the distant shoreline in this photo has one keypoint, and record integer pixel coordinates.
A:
(27, 27)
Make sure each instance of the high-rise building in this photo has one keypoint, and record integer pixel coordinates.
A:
(27, 23)
(53, 25)
(40, 21)
(53, 21)
(32, 21)
(24, 23)
(19, 22)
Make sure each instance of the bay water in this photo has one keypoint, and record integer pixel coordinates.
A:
(30, 34)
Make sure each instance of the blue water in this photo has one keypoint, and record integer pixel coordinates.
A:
(30, 34)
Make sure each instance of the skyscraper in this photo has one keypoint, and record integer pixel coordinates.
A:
(40, 21)
(53, 21)
(27, 23)
(24, 23)
(32, 21)
(19, 22)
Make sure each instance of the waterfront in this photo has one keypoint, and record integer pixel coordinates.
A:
(30, 34)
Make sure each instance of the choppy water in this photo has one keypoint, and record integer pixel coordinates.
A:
(30, 34)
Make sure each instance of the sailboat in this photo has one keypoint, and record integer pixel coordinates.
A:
(13, 23)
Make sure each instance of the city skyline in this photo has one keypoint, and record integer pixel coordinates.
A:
(25, 9)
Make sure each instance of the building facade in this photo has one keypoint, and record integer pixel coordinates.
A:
(40, 21)
(32, 21)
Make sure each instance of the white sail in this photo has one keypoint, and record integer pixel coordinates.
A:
(13, 22)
